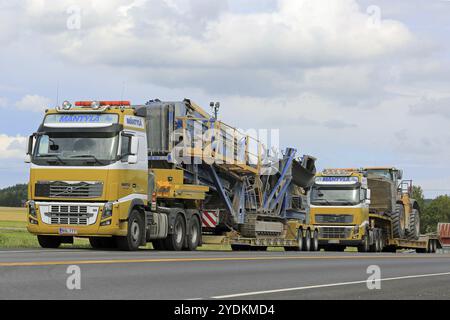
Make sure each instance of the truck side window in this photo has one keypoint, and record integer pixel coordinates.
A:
(126, 146)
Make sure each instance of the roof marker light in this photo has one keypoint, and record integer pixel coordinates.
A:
(95, 105)
(66, 105)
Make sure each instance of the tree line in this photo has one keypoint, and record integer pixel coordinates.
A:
(14, 196)
(432, 211)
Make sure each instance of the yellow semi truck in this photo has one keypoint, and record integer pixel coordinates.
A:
(168, 173)
(368, 208)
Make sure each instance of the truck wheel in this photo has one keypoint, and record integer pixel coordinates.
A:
(398, 222)
(175, 241)
(413, 231)
(307, 241)
(133, 239)
(52, 242)
(194, 234)
(364, 247)
(315, 241)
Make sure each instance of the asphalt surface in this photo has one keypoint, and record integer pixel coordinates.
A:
(147, 274)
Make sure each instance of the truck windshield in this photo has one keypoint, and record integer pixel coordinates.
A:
(342, 196)
(76, 148)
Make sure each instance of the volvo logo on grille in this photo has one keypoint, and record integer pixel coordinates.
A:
(69, 190)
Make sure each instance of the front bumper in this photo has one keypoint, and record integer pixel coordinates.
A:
(75, 219)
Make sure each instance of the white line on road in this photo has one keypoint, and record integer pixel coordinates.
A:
(236, 295)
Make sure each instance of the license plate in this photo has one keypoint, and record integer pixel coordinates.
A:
(333, 241)
(67, 231)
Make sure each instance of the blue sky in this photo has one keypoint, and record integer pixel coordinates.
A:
(354, 83)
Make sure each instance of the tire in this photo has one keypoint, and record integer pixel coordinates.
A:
(364, 247)
(380, 242)
(135, 234)
(50, 242)
(375, 247)
(307, 241)
(433, 246)
(398, 222)
(413, 231)
(175, 241)
(315, 241)
(300, 243)
(194, 234)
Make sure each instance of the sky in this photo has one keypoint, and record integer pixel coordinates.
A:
(353, 83)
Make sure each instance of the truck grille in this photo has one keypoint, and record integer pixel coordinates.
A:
(71, 215)
(61, 189)
(333, 218)
(334, 233)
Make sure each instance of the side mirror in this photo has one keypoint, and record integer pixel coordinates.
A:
(132, 159)
(368, 194)
(134, 145)
(29, 149)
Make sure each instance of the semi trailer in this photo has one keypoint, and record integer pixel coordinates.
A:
(368, 208)
(168, 173)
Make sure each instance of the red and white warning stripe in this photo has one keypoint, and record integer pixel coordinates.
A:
(210, 219)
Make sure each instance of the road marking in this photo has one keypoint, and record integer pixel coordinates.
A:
(236, 295)
(206, 259)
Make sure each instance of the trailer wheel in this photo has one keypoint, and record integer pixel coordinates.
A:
(307, 241)
(52, 242)
(380, 242)
(398, 221)
(135, 232)
(299, 246)
(315, 241)
(413, 231)
(174, 241)
(194, 234)
(433, 246)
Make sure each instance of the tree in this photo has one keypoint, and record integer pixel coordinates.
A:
(438, 210)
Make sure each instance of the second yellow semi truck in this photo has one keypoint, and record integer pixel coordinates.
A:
(368, 208)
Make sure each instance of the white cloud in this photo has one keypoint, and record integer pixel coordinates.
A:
(34, 103)
(12, 147)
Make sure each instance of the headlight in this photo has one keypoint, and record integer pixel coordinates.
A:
(32, 208)
(107, 210)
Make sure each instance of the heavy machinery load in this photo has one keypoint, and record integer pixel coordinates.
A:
(162, 172)
(391, 196)
(370, 208)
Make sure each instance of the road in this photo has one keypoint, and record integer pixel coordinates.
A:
(146, 274)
